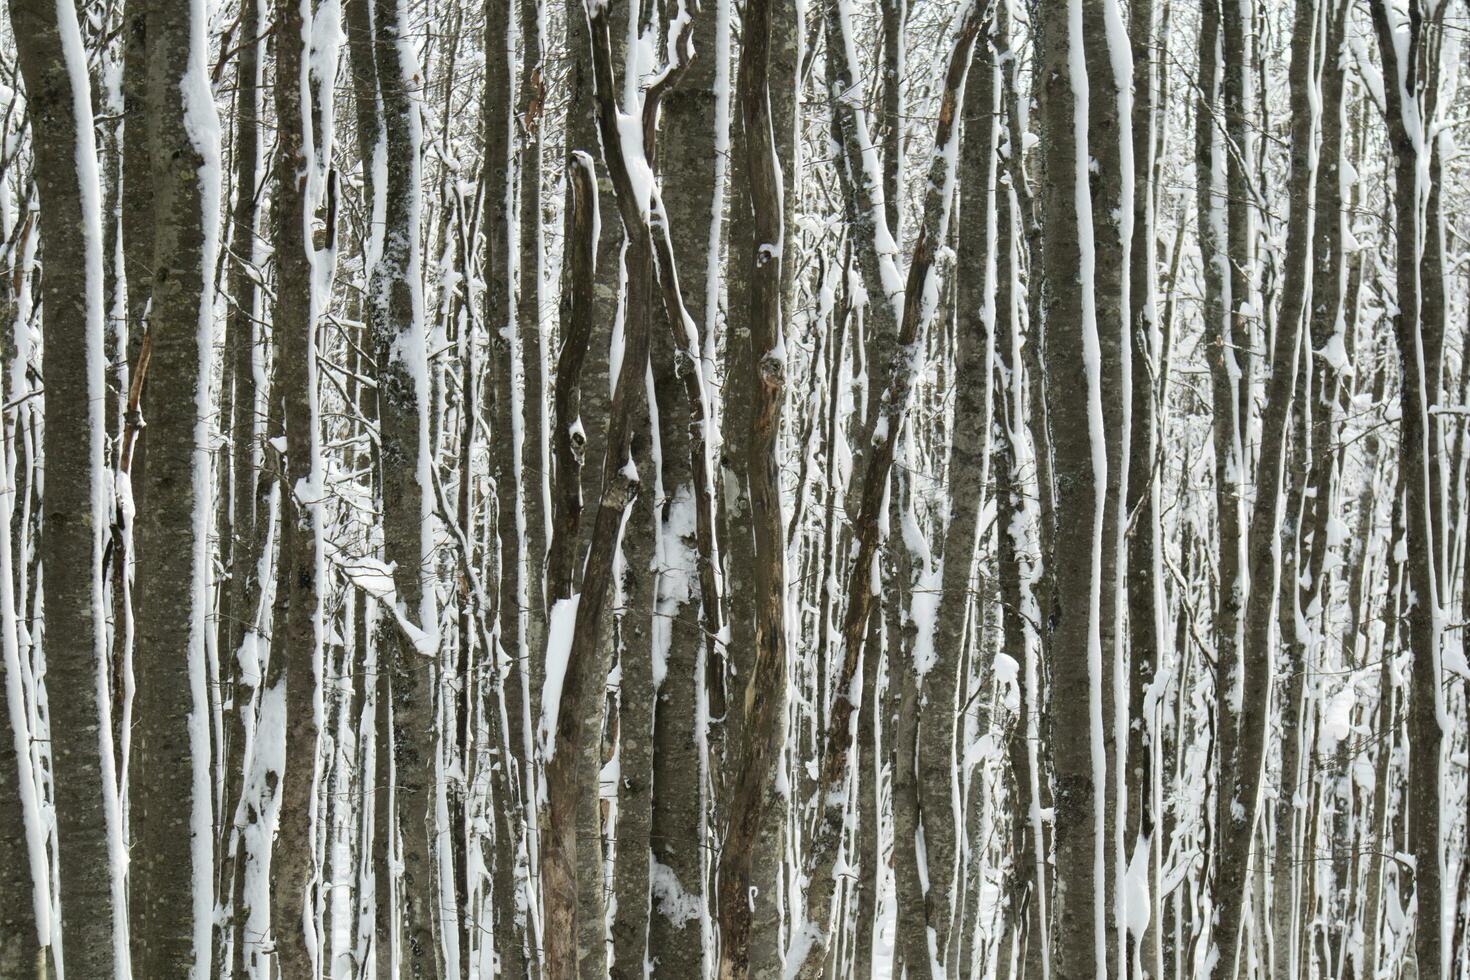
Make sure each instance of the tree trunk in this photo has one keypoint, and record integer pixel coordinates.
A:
(48, 49)
(395, 323)
(1418, 340)
(289, 692)
(1074, 645)
(171, 865)
(940, 744)
(688, 164)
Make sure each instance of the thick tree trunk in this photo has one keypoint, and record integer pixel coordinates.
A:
(763, 690)
(171, 861)
(689, 171)
(1074, 646)
(50, 56)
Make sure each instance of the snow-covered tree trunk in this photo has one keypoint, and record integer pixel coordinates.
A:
(1400, 48)
(688, 616)
(249, 491)
(408, 637)
(287, 734)
(1071, 357)
(58, 100)
(937, 741)
(171, 864)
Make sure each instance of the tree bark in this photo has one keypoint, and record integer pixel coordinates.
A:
(395, 323)
(50, 58)
(1074, 646)
(1418, 374)
(920, 298)
(171, 735)
(289, 692)
(688, 170)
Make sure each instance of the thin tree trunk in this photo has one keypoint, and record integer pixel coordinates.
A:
(408, 638)
(1141, 836)
(289, 695)
(920, 298)
(1418, 373)
(940, 739)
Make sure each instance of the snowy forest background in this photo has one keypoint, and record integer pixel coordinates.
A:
(777, 488)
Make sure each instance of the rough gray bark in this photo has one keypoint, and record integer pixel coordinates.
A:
(1028, 883)
(71, 537)
(1110, 186)
(573, 948)
(168, 650)
(1214, 253)
(582, 137)
(136, 203)
(291, 671)
(637, 596)
(1141, 508)
(762, 691)
(595, 408)
(1317, 429)
(531, 333)
(635, 649)
(240, 535)
(1075, 941)
(1240, 791)
(938, 735)
(21, 952)
(396, 338)
(1418, 374)
(687, 167)
(500, 315)
(744, 606)
(362, 60)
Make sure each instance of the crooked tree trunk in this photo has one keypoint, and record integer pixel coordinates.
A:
(938, 738)
(571, 946)
(249, 491)
(920, 299)
(1241, 793)
(763, 691)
